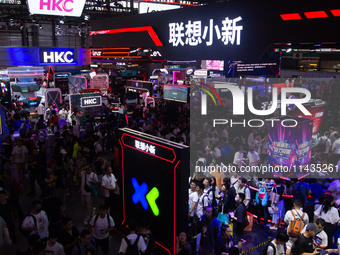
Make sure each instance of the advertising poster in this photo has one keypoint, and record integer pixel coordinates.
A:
(100, 81)
(76, 84)
(290, 147)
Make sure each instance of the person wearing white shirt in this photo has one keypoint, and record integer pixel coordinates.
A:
(87, 178)
(132, 238)
(242, 188)
(331, 216)
(146, 127)
(193, 199)
(332, 133)
(203, 201)
(52, 246)
(234, 180)
(320, 239)
(277, 245)
(225, 133)
(102, 224)
(109, 184)
(238, 157)
(41, 225)
(63, 113)
(253, 157)
(176, 130)
(290, 216)
(287, 83)
(336, 149)
(251, 137)
(334, 189)
(217, 152)
(207, 189)
(40, 110)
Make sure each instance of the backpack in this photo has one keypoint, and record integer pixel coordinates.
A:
(107, 217)
(297, 194)
(213, 202)
(296, 225)
(252, 195)
(26, 233)
(322, 145)
(202, 202)
(265, 250)
(17, 190)
(132, 249)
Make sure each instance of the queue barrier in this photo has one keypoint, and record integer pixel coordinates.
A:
(257, 246)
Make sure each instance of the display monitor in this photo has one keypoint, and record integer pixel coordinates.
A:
(216, 65)
(176, 93)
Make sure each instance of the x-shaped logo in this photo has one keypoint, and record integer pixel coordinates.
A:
(145, 199)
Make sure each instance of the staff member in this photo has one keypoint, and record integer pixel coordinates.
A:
(331, 216)
(239, 218)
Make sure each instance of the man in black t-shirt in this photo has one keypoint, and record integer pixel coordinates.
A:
(239, 218)
(68, 237)
(7, 212)
(149, 239)
(53, 208)
(304, 243)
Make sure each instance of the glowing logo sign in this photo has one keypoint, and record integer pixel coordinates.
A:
(191, 33)
(145, 147)
(91, 101)
(56, 7)
(145, 199)
(57, 56)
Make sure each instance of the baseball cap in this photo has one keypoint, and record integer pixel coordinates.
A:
(312, 227)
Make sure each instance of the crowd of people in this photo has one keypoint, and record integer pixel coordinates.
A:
(220, 204)
(236, 199)
(84, 154)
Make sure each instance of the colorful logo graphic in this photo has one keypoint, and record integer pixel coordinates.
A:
(145, 198)
(209, 93)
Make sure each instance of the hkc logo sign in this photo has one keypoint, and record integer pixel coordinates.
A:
(57, 56)
(91, 101)
(144, 197)
(56, 7)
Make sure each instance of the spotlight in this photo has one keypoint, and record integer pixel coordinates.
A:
(289, 50)
(61, 22)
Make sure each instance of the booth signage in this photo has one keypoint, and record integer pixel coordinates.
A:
(192, 34)
(150, 148)
(57, 56)
(91, 101)
(146, 199)
(201, 72)
(143, 196)
(56, 7)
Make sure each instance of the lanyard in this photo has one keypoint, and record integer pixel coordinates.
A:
(110, 179)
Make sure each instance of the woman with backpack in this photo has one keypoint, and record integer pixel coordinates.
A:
(331, 216)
